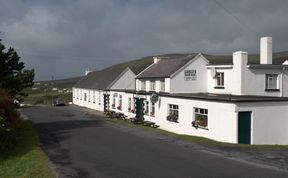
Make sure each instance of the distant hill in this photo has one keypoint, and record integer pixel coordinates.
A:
(138, 64)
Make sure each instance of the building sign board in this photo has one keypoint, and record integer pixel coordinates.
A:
(190, 75)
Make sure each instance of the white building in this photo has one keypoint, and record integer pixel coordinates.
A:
(238, 100)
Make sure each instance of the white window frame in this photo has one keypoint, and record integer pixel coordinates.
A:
(99, 98)
(173, 110)
(198, 112)
(142, 85)
(219, 79)
(162, 85)
(267, 81)
(152, 85)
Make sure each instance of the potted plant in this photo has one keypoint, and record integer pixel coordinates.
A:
(133, 110)
(119, 108)
(113, 106)
(151, 113)
(129, 109)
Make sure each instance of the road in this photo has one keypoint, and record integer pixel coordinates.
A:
(82, 144)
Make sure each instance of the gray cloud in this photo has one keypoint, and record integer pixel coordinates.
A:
(62, 38)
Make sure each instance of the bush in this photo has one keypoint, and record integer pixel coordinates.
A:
(9, 117)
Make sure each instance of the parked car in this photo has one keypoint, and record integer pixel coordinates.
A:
(59, 102)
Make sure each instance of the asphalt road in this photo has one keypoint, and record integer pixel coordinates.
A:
(82, 144)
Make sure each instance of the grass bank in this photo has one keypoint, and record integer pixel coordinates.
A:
(200, 140)
(25, 159)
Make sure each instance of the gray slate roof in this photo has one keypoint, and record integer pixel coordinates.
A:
(102, 79)
(166, 67)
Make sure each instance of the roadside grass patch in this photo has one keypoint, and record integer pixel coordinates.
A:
(46, 98)
(25, 158)
(199, 140)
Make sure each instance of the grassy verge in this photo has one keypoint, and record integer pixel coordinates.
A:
(199, 140)
(25, 159)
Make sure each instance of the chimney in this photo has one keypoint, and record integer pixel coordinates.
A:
(240, 59)
(156, 59)
(87, 71)
(266, 50)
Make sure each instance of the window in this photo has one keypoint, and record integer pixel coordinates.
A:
(152, 113)
(162, 85)
(80, 94)
(77, 95)
(219, 80)
(152, 86)
(143, 85)
(146, 108)
(89, 96)
(120, 103)
(74, 93)
(129, 104)
(272, 81)
(99, 98)
(200, 118)
(114, 101)
(173, 112)
(85, 96)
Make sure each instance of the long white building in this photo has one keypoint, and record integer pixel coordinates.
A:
(237, 99)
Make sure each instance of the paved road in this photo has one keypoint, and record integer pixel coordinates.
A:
(81, 144)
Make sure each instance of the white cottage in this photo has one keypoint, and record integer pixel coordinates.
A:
(229, 99)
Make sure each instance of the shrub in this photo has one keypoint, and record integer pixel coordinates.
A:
(8, 120)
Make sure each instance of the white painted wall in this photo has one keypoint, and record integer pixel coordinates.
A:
(125, 81)
(89, 103)
(177, 83)
(269, 121)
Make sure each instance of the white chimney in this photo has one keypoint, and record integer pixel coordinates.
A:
(156, 59)
(240, 59)
(266, 50)
(87, 71)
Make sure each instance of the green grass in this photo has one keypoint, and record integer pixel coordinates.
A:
(199, 140)
(25, 159)
(46, 97)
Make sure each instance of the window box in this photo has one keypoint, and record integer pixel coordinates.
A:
(272, 90)
(219, 87)
(172, 118)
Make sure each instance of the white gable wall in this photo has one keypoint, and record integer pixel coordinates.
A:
(125, 81)
(179, 85)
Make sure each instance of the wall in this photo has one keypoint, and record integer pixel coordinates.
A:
(125, 81)
(93, 98)
(269, 121)
(222, 119)
(253, 82)
(179, 85)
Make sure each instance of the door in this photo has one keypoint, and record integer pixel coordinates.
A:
(139, 108)
(244, 127)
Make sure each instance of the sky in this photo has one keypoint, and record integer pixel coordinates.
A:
(63, 38)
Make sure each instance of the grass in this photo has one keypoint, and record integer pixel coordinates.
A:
(199, 140)
(46, 97)
(25, 159)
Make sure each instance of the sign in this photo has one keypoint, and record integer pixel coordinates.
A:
(190, 75)
(154, 98)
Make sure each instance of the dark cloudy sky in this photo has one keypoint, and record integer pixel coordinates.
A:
(64, 37)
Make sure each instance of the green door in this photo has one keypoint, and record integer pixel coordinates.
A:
(244, 127)
(139, 108)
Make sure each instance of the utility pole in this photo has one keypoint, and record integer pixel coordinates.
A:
(52, 85)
